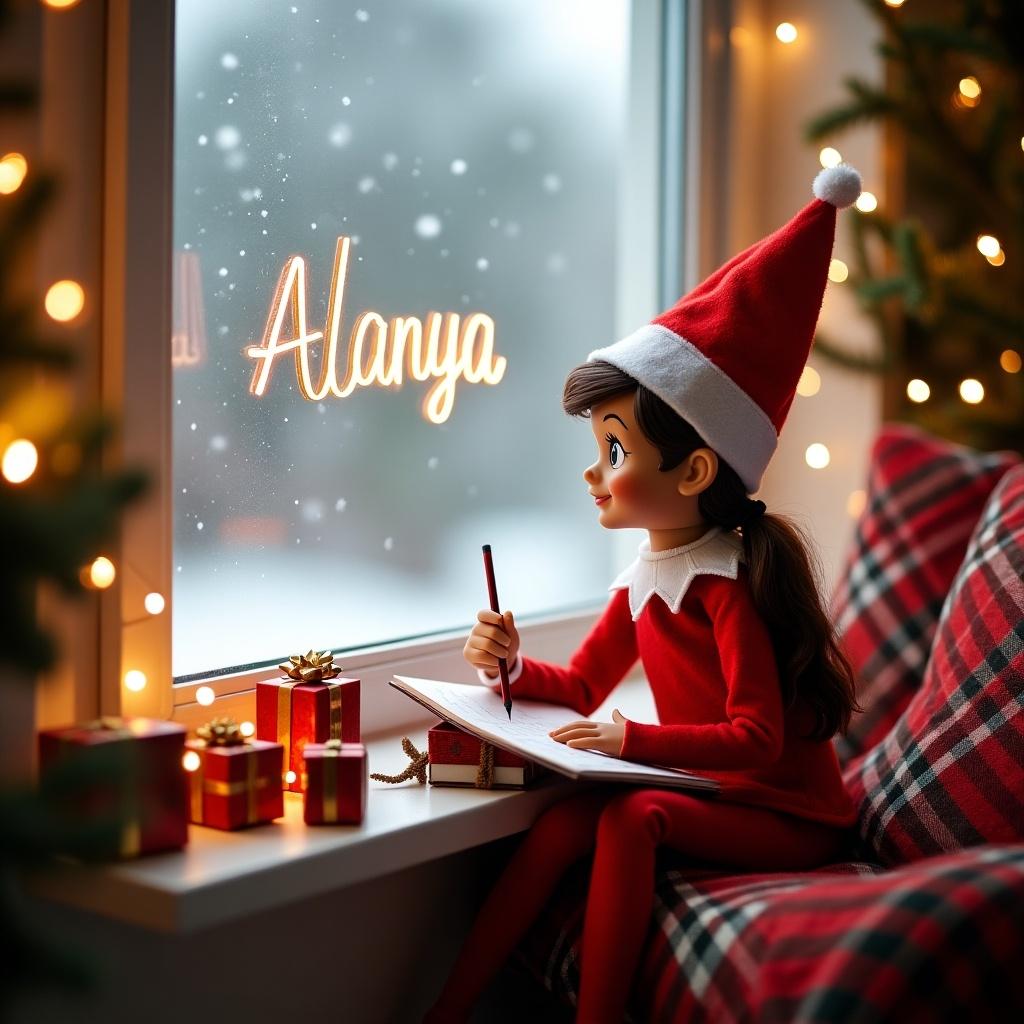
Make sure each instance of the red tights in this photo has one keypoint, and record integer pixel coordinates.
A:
(624, 829)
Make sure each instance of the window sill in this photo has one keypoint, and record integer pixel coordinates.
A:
(224, 875)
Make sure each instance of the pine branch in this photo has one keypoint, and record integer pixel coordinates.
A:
(873, 365)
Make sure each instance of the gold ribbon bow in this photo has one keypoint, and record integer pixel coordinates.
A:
(417, 767)
(311, 667)
(221, 732)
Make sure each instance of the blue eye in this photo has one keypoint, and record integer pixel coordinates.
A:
(616, 453)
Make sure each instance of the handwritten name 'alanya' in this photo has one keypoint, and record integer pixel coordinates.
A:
(381, 353)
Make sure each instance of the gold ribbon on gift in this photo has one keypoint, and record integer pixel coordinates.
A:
(332, 748)
(311, 667)
(221, 732)
(130, 840)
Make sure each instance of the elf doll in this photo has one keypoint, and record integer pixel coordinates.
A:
(721, 606)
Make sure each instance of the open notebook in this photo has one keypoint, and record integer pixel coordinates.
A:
(479, 710)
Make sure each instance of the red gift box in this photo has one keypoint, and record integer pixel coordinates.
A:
(236, 785)
(457, 758)
(336, 783)
(142, 785)
(294, 713)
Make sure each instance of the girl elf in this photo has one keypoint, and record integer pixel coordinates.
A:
(721, 606)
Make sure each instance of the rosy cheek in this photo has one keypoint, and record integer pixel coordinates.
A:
(624, 486)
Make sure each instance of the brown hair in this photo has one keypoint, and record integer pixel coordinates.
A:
(783, 577)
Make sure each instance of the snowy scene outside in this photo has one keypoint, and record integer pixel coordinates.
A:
(469, 153)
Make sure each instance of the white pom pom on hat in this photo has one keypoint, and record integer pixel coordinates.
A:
(839, 185)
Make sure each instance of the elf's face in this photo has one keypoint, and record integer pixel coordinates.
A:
(628, 487)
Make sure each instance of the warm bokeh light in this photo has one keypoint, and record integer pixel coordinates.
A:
(191, 761)
(867, 202)
(205, 696)
(102, 573)
(13, 168)
(830, 157)
(786, 32)
(918, 390)
(809, 382)
(1010, 361)
(971, 391)
(894, 3)
(247, 729)
(64, 300)
(838, 271)
(134, 680)
(19, 461)
(289, 777)
(855, 503)
(970, 88)
(740, 36)
(817, 456)
(998, 260)
(60, 5)
(154, 603)
(988, 245)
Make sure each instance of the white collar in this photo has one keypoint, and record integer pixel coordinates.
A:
(668, 573)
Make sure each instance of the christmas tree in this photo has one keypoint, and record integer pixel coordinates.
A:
(57, 508)
(943, 277)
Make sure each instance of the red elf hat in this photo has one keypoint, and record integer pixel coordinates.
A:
(727, 356)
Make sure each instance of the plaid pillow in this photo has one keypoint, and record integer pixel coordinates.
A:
(924, 498)
(938, 940)
(951, 772)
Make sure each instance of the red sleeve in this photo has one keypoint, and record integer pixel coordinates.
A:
(753, 735)
(607, 653)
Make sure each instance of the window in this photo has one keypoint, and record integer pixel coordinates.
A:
(448, 158)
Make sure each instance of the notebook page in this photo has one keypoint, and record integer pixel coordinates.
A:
(480, 710)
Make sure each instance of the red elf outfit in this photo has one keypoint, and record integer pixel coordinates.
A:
(727, 358)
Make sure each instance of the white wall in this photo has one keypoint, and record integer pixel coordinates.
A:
(778, 88)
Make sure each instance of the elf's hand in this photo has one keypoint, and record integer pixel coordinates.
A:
(604, 736)
(494, 636)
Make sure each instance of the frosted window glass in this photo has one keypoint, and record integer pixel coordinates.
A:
(469, 151)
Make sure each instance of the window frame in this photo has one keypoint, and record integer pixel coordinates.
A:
(136, 377)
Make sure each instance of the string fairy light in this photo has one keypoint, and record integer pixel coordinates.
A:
(809, 383)
(154, 602)
(838, 271)
(205, 696)
(135, 680)
(817, 455)
(13, 168)
(867, 202)
(918, 390)
(102, 573)
(191, 761)
(830, 157)
(1010, 360)
(786, 32)
(19, 461)
(972, 391)
(64, 300)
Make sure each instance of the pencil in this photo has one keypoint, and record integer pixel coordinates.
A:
(492, 594)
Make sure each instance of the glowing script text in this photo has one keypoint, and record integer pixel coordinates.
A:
(380, 352)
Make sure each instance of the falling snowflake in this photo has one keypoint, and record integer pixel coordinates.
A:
(192, 426)
(512, 229)
(433, 462)
(367, 184)
(346, 101)
(229, 61)
(390, 161)
(199, 525)
(362, 15)
(235, 160)
(482, 264)
(227, 136)
(263, 213)
(219, 443)
(202, 140)
(339, 505)
(428, 226)
(313, 510)
(223, 272)
(521, 140)
(340, 135)
(552, 183)
(459, 166)
(389, 543)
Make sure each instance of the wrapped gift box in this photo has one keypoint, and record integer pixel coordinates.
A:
(335, 784)
(136, 779)
(237, 783)
(454, 759)
(297, 711)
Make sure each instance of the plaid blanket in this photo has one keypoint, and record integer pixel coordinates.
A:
(939, 940)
